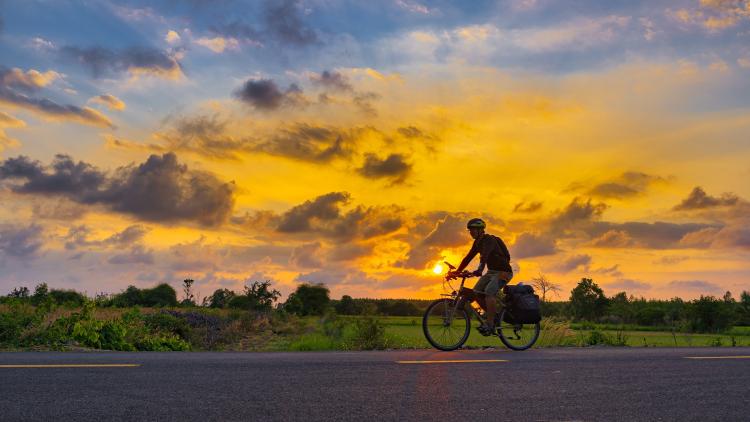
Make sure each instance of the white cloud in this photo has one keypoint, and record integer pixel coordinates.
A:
(218, 44)
(172, 37)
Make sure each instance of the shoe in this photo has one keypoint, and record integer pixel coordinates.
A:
(485, 330)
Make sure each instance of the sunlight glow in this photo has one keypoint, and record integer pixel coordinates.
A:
(438, 269)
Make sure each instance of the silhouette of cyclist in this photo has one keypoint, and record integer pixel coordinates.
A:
(494, 254)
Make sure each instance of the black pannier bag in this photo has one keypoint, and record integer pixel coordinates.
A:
(522, 304)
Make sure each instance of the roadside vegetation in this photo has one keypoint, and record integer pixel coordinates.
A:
(153, 319)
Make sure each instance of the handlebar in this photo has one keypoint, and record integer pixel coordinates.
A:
(462, 274)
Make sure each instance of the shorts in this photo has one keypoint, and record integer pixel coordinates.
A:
(491, 281)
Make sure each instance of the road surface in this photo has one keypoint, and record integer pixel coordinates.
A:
(564, 384)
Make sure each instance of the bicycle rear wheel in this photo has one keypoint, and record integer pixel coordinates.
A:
(444, 327)
(517, 336)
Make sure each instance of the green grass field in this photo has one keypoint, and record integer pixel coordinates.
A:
(407, 333)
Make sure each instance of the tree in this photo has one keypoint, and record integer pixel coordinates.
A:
(161, 295)
(587, 300)
(221, 298)
(41, 292)
(710, 314)
(187, 285)
(308, 299)
(619, 306)
(744, 306)
(346, 306)
(545, 286)
(258, 297)
(20, 292)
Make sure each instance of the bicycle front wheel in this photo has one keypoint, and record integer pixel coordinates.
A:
(514, 335)
(445, 327)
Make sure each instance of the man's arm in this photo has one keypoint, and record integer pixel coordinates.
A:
(479, 269)
(472, 253)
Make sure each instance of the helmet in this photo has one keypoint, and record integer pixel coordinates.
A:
(476, 222)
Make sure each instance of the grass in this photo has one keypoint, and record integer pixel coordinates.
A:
(408, 333)
(218, 329)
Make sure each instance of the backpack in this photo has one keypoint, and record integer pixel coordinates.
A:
(523, 306)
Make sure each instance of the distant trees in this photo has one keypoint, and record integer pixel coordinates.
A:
(221, 298)
(308, 299)
(744, 308)
(158, 296)
(587, 300)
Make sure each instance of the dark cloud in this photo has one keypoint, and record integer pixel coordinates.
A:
(450, 231)
(264, 94)
(611, 271)
(696, 285)
(627, 285)
(434, 232)
(51, 109)
(160, 189)
(657, 235)
(20, 242)
(302, 217)
(583, 261)
(671, 260)
(307, 256)
(325, 217)
(613, 239)
(284, 23)
(103, 61)
(394, 167)
(364, 101)
(57, 209)
(529, 245)
(413, 133)
(311, 143)
(349, 252)
(527, 207)
(577, 212)
(137, 255)
(628, 184)
(205, 135)
(79, 236)
(715, 237)
(698, 199)
(333, 80)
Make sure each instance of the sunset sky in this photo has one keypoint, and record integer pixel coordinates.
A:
(348, 142)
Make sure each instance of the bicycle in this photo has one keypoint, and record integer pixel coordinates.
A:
(447, 321)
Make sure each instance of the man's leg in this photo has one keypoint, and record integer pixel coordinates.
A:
(490, 292)
(489, 311)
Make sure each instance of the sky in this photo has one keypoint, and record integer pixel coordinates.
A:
(349, 142)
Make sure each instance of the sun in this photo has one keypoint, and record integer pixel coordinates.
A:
(438, 269)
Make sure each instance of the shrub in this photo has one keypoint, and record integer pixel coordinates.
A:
(308, 299)
(159, 296)
(596, 337)
(369, 334)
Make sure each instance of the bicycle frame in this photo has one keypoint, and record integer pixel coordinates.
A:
(465, 296)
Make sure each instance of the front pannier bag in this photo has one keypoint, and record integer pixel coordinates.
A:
(524, 306)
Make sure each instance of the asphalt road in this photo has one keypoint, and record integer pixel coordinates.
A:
(569, 384)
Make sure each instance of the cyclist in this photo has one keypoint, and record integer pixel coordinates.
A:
(494, 254)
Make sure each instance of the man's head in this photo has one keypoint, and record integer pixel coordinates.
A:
(476, 227)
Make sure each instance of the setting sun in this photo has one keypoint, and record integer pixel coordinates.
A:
(437, 269)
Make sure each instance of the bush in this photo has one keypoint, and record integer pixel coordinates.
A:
(709, 314)
(369, 334)
(596, 337)
(308, 299)
(159, 296)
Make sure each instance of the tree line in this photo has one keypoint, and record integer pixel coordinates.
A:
(587, 302)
